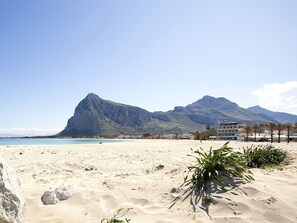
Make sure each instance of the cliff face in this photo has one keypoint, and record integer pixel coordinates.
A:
(95, 116)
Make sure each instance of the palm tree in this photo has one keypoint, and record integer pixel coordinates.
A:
(271, 127)
(207, 127)
(247, 130)
(279, 128)
(288, 127)
(256, 129)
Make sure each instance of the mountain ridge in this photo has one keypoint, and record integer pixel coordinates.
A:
(94, 116)
(281, 117)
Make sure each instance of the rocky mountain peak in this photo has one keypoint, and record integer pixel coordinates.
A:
(91, 96)
(212, 102)
(95, 116)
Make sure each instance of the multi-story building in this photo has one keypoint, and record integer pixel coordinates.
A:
(230, 131)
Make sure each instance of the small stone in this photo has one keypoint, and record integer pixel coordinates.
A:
(49, 197)
(59, 194)
(89, 168)
(63, 192)
(175, 190)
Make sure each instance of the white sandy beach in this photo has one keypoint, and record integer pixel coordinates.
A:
(110, 176)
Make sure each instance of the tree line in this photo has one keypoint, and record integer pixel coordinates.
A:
(279, 127)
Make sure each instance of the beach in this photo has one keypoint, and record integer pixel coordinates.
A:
(140, 174)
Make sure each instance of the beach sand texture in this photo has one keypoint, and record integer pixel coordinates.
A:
(109, 176)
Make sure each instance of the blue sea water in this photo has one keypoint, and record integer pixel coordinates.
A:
(30, 141)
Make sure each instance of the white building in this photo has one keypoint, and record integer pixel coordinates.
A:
(230, 131)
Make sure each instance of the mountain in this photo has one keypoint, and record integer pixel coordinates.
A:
(210, 110)
(280, 117)
(95, 116)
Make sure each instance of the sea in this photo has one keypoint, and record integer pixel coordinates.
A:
(51, 141)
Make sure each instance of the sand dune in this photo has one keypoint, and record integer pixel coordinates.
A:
(110, 176)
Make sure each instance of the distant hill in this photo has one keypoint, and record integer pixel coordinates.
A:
(280, 117)
(210, 110)
(95, 116)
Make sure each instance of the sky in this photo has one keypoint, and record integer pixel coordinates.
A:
(152, 54)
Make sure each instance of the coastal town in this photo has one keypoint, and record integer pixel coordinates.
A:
(269, 132)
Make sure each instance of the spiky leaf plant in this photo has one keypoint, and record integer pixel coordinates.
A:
(265, 155)
(215, 169)
(120, 213)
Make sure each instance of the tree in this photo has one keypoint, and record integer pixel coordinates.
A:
(279, 128)
(178, 135)
(295, 128)
(256, 129)
(212, 132)
(205, 134)
(146, 135)
(271, 127)
(288, 127)
(197, 135)
(207, 128)
(247, 130)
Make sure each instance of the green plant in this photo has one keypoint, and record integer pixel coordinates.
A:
(116, 217)
(215, 169)
(264, 155)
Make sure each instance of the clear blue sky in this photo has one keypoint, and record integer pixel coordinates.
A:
(153, 54)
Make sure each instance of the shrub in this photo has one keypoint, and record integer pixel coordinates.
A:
(116, 218)
(215, 169)
(264, 155)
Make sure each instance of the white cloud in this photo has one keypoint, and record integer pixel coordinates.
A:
(280, 96)
(28, 132)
